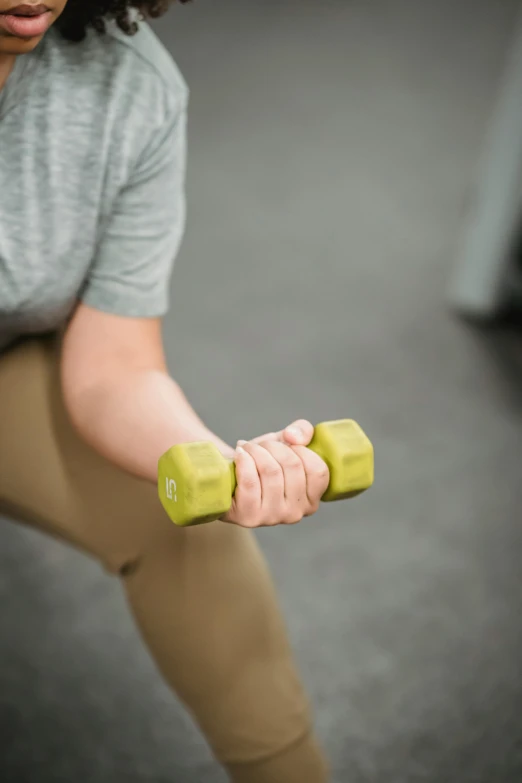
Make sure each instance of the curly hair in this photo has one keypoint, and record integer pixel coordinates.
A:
(81, 14)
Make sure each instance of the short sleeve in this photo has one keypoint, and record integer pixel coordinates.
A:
(134, 259)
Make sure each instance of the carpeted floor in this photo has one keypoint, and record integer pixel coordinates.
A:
(332, 157)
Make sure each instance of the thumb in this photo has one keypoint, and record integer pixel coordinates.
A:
(299, 433)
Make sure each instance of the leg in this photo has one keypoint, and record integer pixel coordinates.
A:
(202, 597)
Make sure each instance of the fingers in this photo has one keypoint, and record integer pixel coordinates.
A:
(259, 499)
(279, 480)
(271, 481)
(246, 503)
(290, 508)
(317, 477)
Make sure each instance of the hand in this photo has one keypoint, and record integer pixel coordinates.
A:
(279, 480)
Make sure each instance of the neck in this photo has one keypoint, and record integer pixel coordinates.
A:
(6, 66)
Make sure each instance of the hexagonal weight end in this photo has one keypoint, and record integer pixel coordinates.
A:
(194, 483)
(349, 455)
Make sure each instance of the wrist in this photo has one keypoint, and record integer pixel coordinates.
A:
(227, 451)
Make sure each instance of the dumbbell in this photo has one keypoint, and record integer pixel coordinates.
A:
(196, 483)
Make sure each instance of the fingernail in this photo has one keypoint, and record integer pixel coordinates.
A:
(296, 432)
(241, 443)
(240, 450)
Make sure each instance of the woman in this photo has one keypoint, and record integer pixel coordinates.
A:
(92, 161)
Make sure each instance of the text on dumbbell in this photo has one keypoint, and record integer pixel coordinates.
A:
(171, 490)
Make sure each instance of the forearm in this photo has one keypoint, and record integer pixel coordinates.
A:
(132, 418)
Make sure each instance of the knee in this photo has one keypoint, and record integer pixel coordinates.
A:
(124, 522)
(134, 530)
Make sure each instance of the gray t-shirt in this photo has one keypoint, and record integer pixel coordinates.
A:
(92, 174)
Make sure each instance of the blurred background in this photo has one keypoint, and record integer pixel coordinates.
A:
(333, 162)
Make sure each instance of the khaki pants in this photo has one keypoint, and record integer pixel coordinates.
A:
(202, 597)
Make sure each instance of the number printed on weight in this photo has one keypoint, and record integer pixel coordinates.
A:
(171, 489)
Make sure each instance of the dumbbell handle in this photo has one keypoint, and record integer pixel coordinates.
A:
(317, 450)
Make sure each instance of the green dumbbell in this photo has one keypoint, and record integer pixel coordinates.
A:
(196, 482)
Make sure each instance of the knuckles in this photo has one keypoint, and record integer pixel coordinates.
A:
(293, 463)
(271, 471)
(250, 484)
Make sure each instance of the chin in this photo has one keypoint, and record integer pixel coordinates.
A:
(16, 46)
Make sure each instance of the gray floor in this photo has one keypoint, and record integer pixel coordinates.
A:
(332, 158)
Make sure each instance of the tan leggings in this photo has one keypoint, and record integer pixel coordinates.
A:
(202, 597)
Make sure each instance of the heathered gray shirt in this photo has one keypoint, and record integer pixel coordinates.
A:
(92, 168)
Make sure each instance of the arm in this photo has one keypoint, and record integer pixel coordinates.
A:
(122, 402)
(119, 395)
(116, 387)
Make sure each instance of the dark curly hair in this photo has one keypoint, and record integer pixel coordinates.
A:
(81, 14)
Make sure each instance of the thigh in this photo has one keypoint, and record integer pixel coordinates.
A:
(51, 478)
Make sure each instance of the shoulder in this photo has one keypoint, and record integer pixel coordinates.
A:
(133, 74)
(144, 57)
